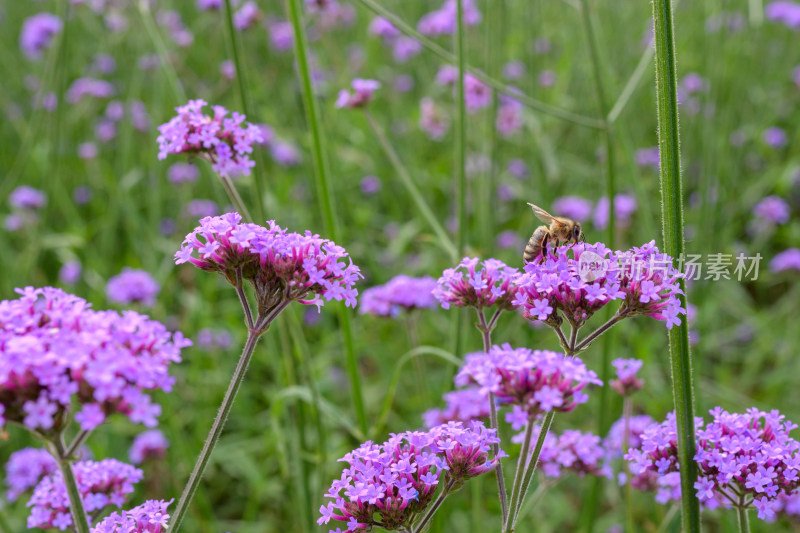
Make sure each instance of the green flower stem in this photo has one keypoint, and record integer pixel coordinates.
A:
(631, 85)
(57, 449)
(324, 195)
(233, 194)
(241, 81)
(522, 462)
(672, 221)
(486, 332)
(77, 442)
(254, 334)
(5, 527)
(461, 135)
(527, 101)
(582, 345)
(426, 518)
(178, 93)
(743, 520)
(411, 187)
(513, 512)
(627, 412)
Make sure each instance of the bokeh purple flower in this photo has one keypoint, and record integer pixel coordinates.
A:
(132, 286)
(360, 95)
(25, 468)
(401, 293)
(786, 260)
(150, 444)
(37, 33)
(772, 209)
(626, 383)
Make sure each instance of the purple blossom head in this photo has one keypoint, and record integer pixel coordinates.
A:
(88, 87)
(282, 266)
(786, 260)
(463, 405)
(87, 150)
(133, 286)
(518, 168)
(477, 284)
(514, 70)
(775, 137)
(209, 5)
(381, 27)
(536, 380)
(226, 142)
(784, 11)
(70, 272)
(37, 33)
(624, 207)
(246, 16)
(25, 468)
(574, 451)
(615, 439)
(509, 120)
(106, 361)
(103, 483)
(574, 207)
(182, 173)
(626, 383)
(404, 48)
(151, 444)
(370, 185)
(432, 119)
(25, 197)
(360, 95)
(648, 157)
(150, 517)
(773, 209)
(285, 154)
(281, 35)
(443, 21)
(401, 293)
(391, 484)
(477, 95)
(546, 78)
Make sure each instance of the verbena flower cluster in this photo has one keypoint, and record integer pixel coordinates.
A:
(463, 405)
(401, 293)
(360, 95)
(281, 265)
(626, 383)
(25, 468)
(643, 280)
(538, 381)
(56, 349)
(226, 142)
(388, 485)
(150, 517)
(477, 284)
(147, 445)
(581, 453)
(743, 459)
(103, 483)
(132, 286)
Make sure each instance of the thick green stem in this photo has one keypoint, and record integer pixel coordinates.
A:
(241, 81)
(324, 194)
(672, 221)
(215, 432)
(411, 187)
(513, 511)
(486, 332)
(233, 195)
(420, 526)
(743, 520)
(521, 464)
(461, 134)
(527, 101)
(57, 449)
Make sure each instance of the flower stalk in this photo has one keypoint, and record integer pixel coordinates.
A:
(59, 452)
(672, 223)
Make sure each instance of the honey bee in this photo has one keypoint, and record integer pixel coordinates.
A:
(561, 230)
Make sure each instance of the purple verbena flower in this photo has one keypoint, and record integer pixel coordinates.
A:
(224, 141)
(151, 444)
(574, 207)
(624, 207)
(103, 483)
(477, 284)
(105, 360)
(784, 11)
(37, 33)
(401, 293)
(133, 286)
(150, 517)
(25, 197)
(282, 266)
(581, 453)
(772, 209)
(91, 87)
(463, 405)
(537, 380)
(246, 16)
(432, 119)
(25, 468)
(360, 95)
(626, 383)
(786, 260)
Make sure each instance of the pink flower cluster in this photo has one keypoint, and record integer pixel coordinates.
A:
(626, 383)
(281, 265)
(100, 484)
(148, 445)
(389, 485)
(580, 279)
(25, 468)
(537, 381)
(581, 453)
(56, 349)
(359, 96)
(401, 293)
(463, 405)
(226, 142)
(150, 517)
(478, 285)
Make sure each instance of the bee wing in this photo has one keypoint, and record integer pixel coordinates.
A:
(541, 214)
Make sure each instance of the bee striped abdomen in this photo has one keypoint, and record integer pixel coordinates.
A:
(534, 247)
